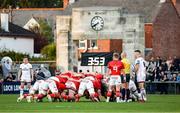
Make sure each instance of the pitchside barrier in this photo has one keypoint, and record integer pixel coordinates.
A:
(10, 88)
(155, 87)
(166, 87)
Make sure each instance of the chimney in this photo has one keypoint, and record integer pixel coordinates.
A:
(65, 3)
(4, 22)
(162, 1)
(174, 2)
(71, 1)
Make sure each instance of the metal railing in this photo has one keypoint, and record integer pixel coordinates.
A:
(167, 87)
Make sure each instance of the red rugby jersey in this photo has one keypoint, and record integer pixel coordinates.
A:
(115, 67)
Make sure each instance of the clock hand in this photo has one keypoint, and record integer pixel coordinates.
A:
(95, 24)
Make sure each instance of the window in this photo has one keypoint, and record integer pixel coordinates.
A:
(93, 44)
(82, 44)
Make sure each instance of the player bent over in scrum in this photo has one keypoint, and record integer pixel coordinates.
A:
(115, 70)
(37, 91)
(72, 86)
(42, 92)
(86, 84)
(53, 84)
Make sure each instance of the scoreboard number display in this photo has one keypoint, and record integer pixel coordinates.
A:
(95, 59)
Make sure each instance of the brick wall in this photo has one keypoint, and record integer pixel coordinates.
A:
(166, 31)
(65, 3)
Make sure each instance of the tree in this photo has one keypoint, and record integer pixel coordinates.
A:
(49, 51)
(44, 35)
(46, 31)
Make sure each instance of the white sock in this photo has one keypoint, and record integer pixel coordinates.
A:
(107, 100)
(136, 94)
(21, 92)
(143, 93)
(117, 99)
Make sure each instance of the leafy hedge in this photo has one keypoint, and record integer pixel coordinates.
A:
(48, 53)
(15, 56)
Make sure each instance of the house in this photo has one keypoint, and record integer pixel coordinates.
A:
(34, 22)
(31, 23)
(166, 30)
(14, 37)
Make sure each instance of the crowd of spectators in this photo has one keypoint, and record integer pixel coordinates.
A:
(163, 70)
(159, 70)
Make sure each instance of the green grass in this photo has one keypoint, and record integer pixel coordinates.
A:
(156, 103)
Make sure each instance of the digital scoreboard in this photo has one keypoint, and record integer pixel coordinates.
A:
(96, 59)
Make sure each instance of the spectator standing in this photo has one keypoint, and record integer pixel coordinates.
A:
(176, 64)
(158, 65)
(169, 63)
(178, 78)
(151, 69)
(6, 66)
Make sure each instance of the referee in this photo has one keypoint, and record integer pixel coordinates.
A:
(125, 79)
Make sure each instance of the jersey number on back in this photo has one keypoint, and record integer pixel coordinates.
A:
(115, 68)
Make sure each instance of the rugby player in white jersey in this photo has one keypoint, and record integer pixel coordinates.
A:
(140, 71)
(25, 75)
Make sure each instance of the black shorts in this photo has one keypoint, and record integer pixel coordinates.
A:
(127, 78)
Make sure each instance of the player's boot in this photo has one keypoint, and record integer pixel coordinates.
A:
(144, 98)
(29, 98)
(120, 101)
(129, 100)
(49, 98)
(20, 99)
(35, 99)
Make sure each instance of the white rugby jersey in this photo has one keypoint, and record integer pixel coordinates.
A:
(26, 70)
(142, 66)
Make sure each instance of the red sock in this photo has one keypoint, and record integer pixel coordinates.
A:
(25, 95)
(40, 96)
(96, 94)
(70, 97)
(109, 93)
(64, 97)
(52, 95)
(77, 97)
(118, 94)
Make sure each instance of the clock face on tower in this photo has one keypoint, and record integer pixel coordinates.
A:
(97, 23)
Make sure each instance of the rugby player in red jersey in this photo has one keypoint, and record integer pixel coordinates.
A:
(72, 86)
(115, 69)
(57, 84)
